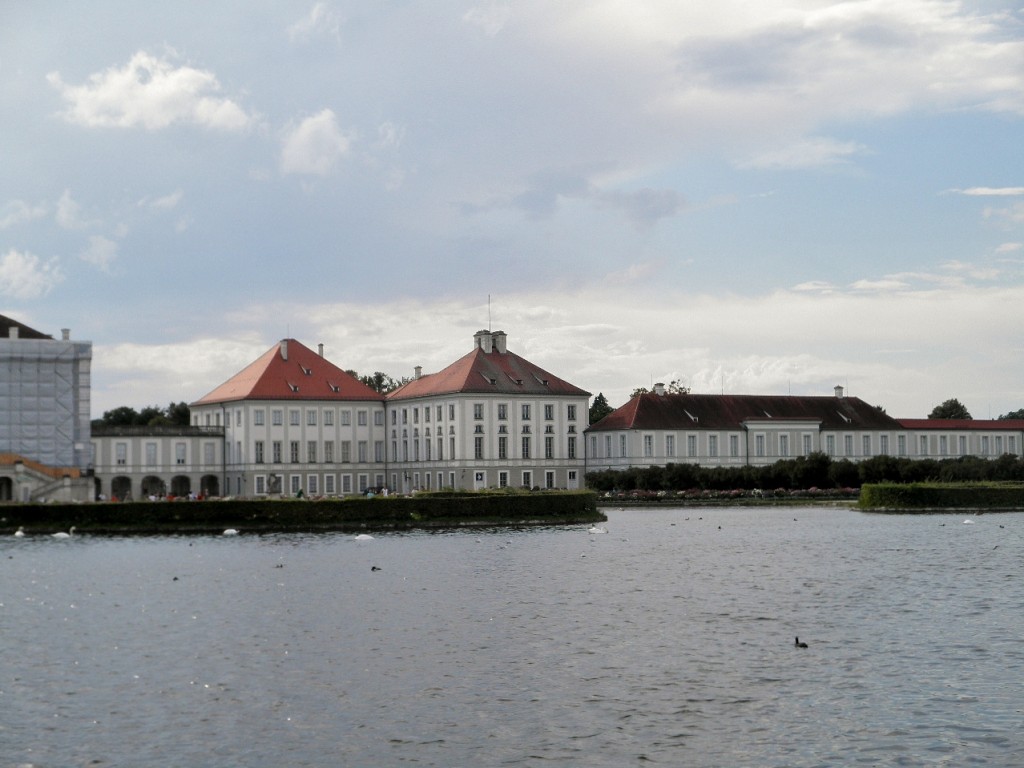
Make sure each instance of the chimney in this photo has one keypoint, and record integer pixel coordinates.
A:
(320, 349)
(65, 334)
(284, 349)
(499, 342)
(659, 389)
(418, 371)
(484, 340)
(839, 392)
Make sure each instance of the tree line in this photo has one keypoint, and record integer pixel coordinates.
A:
(816, 470)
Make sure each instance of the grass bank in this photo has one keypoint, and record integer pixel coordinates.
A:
(423, 510)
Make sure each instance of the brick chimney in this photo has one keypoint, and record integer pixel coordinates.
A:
(484, 340)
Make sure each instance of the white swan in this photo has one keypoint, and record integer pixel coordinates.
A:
(20, 532)
(597, 529)
(968, 522)
(363, 537)
(63, 535)
(231, 532)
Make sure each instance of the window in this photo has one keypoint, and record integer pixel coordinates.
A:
(527, 480)
(962, 444)
(924, 445)
(261, 484)
(275, 451)
(451, 411)
(572, 413)
(363, 418)
(607, 446)
(503, 479)
(277, 417)
(830, 445)
(378, 450)
(328, 417)
(238, 418)
(526, 411)
(648, 446)
(571, 448)
(866, 445)
(783, 445)
(526, 447)
(346, 451)
(549, 447)
(151, 454)
(312, 484)
(296, 481)
(670, 445)
(502, 411)
(258, 417)
(734, 445)
(209, 451)
(883, 445)
(294, 449)
(311, 451)
(328, 451)
(362, 448)
(901, 445)
(346, 483)
(415, 415)
(346, 418)
(364, 482)
(258, 452)
(984, 445)
(478, 411)
(549, 479)
(549, 412)
(293, 417)
(121, 453)
(329, 484)
(808, 442)
(378, 418)
(848, 445)
(438, 413)
(622, 446)
(502, 447)
(691, 445)
(478, 447)
(759, 445)
(712, 445)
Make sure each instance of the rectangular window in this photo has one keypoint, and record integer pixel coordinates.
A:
(759, 445)
(783, 445)
(238, 418)
(277, 417)
(808, 443)
(712, 445)
(151, 454)
(364, 483)
(258, 417)
(670, 445)
(549, 447)
(502, 447)
(346, 418)
(830, 445)
(924, 445)
(478, 411)
(329, 484)
(526, 448)
(311, 451)
(310, 418)
(258, 452)
(571, 448)
(293, 417)
(312, 484)
(691, 446)
(549, 479)
(378, 450)
(451, 414)
(209, 452)
(362, 449)
(261, 484)
(179, 453)
(901, 445)
(438, 412)
(346, 483)
(294, 449)
(734, 446)
(451, 448)
(527, 480)
(378, 418)
(984, 446)
(121, 453)
(346, 451)
(328, 417)
(526, 411)
(571, 413)
(999, 445)
(503, 479)
(502, 412)
(883, 445)
(478, 447)
(962, 445)
(296, 481)
(848, 445)
(549, 412)
(648, 446)
(328, 451)
(416, 415)
(275, 449)
(363, 418)
(943, 445)
(622, 446)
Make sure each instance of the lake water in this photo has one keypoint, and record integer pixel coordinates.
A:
(667, 641)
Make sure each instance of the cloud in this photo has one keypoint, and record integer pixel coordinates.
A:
(24, 275)
(19, 212)
(491, 18)
(69, 215)
(645, 206)
(151, 93)
(991, 191)
(1013, 214)
(813, 152)
(314, 146)
(165, 203)
(101, 252)
(321, 21)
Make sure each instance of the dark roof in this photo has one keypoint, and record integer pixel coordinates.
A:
(653, 411)
(1004, 425)
(494, 372)
(290, 371)
(24, 332)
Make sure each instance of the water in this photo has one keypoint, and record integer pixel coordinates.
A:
(667, 641)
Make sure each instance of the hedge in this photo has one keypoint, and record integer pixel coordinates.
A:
(938, 496)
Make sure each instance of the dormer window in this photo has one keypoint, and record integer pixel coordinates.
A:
(293, 387)
(334, 387)
(305, 370)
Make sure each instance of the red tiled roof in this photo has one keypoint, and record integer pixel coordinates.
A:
(653, 411)
(495, 372)
(304, 375)
(1003, 425)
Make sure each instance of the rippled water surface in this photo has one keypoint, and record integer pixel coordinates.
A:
(668, 640)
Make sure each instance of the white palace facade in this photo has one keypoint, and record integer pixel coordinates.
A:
(294, 423)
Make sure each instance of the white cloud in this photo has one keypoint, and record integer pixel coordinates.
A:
(101, 252)
(321, 21)
(491, 18)
(813, 152)
(69, 214)
(1010, 247)
(19, 212)
(152, 93)
(314, 146)
(24, 275)
(166, 202)
(991, 191)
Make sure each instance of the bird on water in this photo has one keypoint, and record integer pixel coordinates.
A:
(798, 644)
(63, 535)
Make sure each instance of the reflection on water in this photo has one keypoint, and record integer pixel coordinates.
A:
(669, 640)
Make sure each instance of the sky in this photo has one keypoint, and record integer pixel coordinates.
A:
(748, 198)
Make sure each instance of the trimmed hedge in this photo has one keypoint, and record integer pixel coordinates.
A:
(937, 496)
(426, 510)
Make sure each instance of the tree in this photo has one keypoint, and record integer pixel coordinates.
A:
(599, 408)
(675, 387)
(1018, 414)
(638, 391)
(950, 409)
(379, 381)
(176, 414)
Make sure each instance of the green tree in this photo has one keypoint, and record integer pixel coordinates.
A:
(599, 408)
(1018, 414)
(638, 391)
(122, 416)
(179, 414)
(950, 409)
